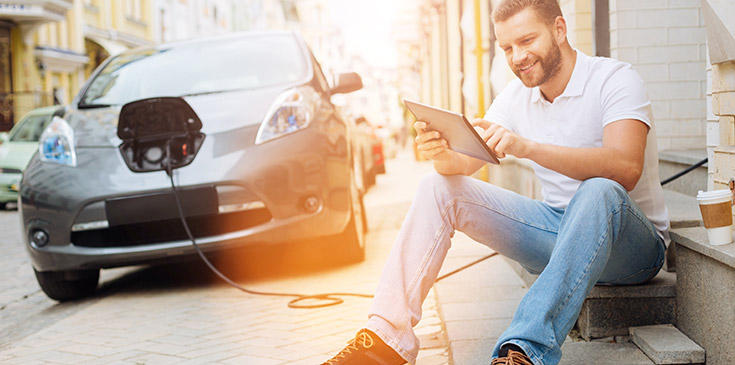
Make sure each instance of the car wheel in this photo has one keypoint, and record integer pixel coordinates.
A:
(68, 285)
(349, 247)
(3, 206)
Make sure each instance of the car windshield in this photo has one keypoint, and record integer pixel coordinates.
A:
(30, 129)
(198, 68)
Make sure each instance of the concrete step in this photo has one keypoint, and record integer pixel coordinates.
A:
(602, 353)
(611, 310)
(672, 162)
(665, 344)
(683, 209)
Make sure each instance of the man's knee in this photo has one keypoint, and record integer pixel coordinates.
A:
(602, 188)
(437, 183)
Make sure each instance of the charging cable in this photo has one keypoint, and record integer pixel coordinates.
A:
(329, 299)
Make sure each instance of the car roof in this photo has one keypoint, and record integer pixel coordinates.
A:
(222, 37)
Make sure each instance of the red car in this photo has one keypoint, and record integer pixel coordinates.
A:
(372, 151)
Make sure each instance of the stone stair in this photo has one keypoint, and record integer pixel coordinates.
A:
(665, 344)
(612, 310)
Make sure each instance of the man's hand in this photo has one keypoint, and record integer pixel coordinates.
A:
(502, 141)
(430, 143)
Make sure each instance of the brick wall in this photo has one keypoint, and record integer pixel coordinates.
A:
(665, 41)
(723, 107)
(713, 128)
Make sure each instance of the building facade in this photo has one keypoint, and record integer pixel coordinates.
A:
(175, 20)
(49, 48)
(20, 81)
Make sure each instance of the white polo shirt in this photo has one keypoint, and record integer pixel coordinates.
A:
(600, 91)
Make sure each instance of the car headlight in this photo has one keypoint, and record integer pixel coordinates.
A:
(292, 111)
(57, 143)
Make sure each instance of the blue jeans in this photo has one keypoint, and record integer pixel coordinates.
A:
(601, 237)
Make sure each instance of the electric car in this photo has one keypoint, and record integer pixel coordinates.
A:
(277, 162)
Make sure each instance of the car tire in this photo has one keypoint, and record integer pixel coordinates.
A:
(3, 206)
(349, 246)
(68, 285)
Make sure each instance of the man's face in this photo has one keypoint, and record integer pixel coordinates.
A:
(530, 48)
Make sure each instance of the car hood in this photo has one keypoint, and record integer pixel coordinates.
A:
(220, 112)
(15, 155)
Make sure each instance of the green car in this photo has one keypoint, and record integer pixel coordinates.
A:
(17, 148)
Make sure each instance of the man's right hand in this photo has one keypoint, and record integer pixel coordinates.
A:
(430, 143)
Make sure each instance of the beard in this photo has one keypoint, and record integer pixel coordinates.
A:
(548, 66)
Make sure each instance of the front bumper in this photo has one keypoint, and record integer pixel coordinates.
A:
(69, 204)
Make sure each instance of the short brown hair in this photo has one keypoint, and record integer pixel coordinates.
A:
(546, 10)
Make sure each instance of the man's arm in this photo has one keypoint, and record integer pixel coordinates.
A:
(620, 158)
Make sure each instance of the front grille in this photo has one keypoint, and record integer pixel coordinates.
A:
(169, 230)
(5, 170)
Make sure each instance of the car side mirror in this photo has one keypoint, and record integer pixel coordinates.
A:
(346, 82)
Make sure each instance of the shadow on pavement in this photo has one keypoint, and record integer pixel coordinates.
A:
(242, 266)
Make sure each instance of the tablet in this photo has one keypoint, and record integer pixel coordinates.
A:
(454, 127)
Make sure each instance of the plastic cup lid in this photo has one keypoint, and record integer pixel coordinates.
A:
(714, 194)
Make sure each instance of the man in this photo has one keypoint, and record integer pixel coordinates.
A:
(585, 123)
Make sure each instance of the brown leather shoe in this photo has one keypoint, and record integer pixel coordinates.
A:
(513, 358)
(366, 348)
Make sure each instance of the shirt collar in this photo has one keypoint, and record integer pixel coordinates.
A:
(575, 86)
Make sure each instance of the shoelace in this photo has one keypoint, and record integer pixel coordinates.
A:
(513, 358)
(362, 338)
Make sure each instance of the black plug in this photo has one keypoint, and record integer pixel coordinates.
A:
(169, 169)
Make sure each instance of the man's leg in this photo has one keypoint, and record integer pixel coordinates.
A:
(513, 225)
(603, 236)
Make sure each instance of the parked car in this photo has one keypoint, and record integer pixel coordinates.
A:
(371, 145)
(18, 146)
(275, 164)
(389, 138)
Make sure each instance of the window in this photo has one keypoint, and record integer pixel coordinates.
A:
(133, 9)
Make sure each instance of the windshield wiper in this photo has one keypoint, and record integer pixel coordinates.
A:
(205, 93)
(93, 106)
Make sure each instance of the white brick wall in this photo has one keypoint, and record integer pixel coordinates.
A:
(713, 128)
(723, 110)
(664, 40)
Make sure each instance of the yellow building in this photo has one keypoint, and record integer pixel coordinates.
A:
(452, 76)
(49, 48)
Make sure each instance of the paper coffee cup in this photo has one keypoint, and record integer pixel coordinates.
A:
(716, 208)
